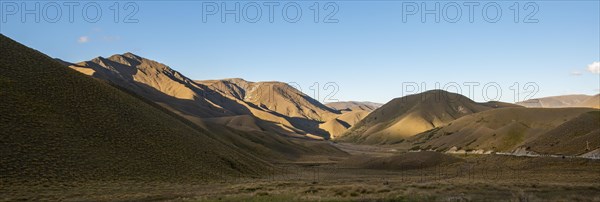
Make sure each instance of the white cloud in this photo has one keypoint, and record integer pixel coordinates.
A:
(575, 73)
(83, 39)
(594, 67)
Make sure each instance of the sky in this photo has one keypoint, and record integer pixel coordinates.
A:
(356, 50)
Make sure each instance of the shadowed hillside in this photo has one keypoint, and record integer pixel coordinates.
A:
(574, 137)
(352, 113)
(222, 102)
(405, 161)
(277, 97)
(276, 102)
(340, 124)
(545, 131)
(160, 83)
(58, 124)
(270, 106)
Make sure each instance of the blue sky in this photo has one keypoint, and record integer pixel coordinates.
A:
(369, 53)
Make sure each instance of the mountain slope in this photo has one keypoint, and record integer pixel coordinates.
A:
(252, 135)
(353, 117)
(277, 106)
(339, 125)
(410, 115)
(276, 102)
(206, 104)
(576, 136)
(555, 101)
(592, 102)
(353, 106)
(277, 97)
(60, 125)
(549, 131)
(335, 127)
(352, 113)
(160, 83)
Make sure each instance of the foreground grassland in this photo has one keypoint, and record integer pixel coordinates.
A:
(472, 178)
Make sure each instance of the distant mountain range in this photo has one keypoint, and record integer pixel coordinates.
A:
(263, 106)
(354, 106)
(563, 101)
(255, 107)
(275, 107)
(244, 105)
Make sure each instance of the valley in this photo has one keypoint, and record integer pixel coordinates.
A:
(128, 128)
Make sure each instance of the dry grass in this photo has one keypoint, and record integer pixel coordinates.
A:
(474, 178)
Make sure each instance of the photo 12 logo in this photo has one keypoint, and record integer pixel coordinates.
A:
(454, 12)
(70, 11)
(489, 91)
(253, 12)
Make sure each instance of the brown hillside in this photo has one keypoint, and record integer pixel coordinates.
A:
(410, 115)
(58, 125)
(508, 129)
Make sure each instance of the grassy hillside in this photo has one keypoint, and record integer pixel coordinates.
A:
(410, 115)
(543, 130)
(576, 136)
(60, 125)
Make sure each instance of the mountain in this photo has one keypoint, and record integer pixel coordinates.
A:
(340, 124)
(352, 113)
(274, 106)
(273, 96)
(354, 106)
(276, 102)
(592, 102)
(351, 118)
(410, 115)
(160, 83)
(574, 137)
(60, 125)
(540, 130)
(334, 127)
(555, 101)
(234, 103)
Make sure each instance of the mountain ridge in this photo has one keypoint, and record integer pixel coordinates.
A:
(69, 127)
